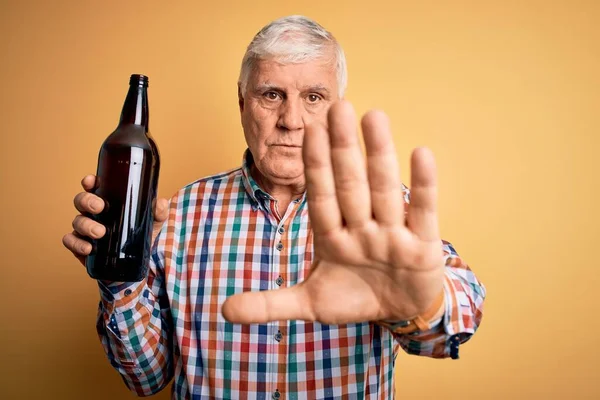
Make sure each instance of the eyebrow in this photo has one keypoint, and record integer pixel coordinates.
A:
(266, 87)
(315, 88)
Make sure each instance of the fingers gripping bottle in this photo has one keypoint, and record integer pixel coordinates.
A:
(127, 179)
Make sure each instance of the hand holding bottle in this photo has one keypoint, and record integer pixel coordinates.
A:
(85, 228)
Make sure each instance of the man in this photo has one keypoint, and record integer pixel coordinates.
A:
(248, 297)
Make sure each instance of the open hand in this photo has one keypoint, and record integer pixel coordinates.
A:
(371, 261)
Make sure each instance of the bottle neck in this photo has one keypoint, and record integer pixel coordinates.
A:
(135, 108)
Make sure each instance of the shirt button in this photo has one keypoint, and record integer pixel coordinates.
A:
(278, 336)
(281, 229)
(276, 394)
(279, 246)
(279, 281)
(127, 292)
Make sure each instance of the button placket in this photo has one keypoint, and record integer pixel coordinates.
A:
(278, 235)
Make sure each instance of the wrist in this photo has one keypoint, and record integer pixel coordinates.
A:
(421, 322)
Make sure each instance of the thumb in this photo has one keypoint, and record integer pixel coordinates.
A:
(266, 306)
(161, 210)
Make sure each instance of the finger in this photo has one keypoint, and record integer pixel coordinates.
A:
(88, 227)
(422, 218)
(383, 169)
(89, 183)
(77, 245)
(88, 203)
(161, 210)
(323, 208)
(266, 306)
(349, 171)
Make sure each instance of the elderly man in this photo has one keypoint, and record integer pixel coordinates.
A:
(301, 273)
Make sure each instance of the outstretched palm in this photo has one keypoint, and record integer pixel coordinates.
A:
(370, 263)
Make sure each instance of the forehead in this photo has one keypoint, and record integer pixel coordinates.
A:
(316, 72)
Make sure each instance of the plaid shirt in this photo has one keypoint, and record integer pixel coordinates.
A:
(225, 235)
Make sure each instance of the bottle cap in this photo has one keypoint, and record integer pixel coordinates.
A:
(138, 79)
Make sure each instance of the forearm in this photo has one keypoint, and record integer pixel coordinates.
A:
(135, 335)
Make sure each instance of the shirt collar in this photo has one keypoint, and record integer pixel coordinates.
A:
(256, 193)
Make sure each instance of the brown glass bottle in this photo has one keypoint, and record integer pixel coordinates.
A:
(127, 179)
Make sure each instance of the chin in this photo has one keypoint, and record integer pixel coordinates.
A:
(284, 171)
(285, 175)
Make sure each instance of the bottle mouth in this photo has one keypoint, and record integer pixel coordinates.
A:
(139, 80)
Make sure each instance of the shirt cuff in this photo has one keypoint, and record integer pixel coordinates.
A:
(120, 295)
(446, 333)
(451, 330)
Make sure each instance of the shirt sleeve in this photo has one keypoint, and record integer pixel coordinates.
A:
(464, 295)
(134, 326)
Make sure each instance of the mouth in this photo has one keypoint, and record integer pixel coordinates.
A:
(291, 146)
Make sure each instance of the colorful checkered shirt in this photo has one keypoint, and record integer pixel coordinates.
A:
(225, 235)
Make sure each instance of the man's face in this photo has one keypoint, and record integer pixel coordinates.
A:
(280, 100)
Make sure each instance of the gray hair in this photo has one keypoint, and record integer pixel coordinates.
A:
(294, 39)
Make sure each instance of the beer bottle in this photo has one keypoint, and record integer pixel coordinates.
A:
(126, 179)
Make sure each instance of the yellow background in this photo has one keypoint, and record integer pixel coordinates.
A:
(506, 93)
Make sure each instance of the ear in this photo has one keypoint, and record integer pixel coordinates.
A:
(240, 98)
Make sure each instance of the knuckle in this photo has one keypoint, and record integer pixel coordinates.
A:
(320, 197)
(76, 222)
(78, 200)
(87, 202)
(81, 225)
(75, 245)
(84, 226)
(82, 247)
(66, 241)
(90, 202)
(350, 180)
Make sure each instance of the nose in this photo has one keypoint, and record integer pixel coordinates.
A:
(290, 117)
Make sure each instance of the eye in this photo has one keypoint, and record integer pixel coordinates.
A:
(272, 96)
(313, 98)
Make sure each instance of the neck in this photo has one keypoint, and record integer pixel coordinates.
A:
(135, 109)
(284, 193)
